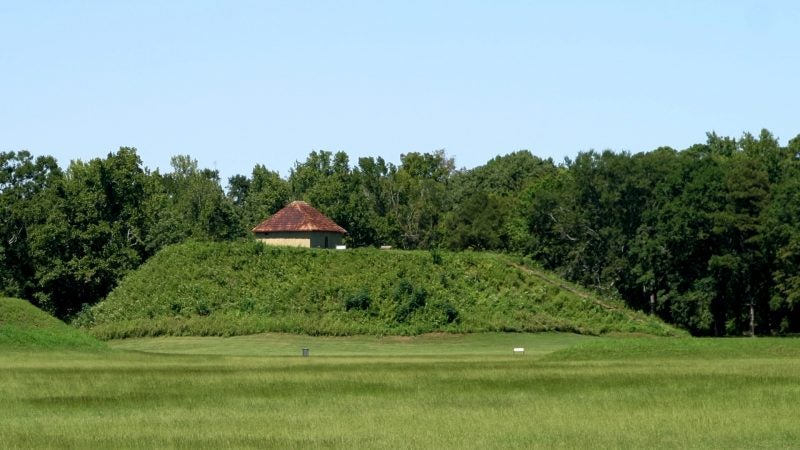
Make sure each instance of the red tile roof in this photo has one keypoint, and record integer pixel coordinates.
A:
(298, 216)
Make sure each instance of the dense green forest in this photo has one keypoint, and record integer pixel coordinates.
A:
(706, 238)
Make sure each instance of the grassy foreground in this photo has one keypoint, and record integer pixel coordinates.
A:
(224, 289)
(468, 391)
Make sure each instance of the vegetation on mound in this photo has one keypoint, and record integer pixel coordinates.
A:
(23, 325)
(202, 288)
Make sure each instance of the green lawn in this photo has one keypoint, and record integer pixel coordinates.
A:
(481, 345)
(429, 391)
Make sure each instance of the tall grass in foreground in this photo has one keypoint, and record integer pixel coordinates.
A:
(593, 393)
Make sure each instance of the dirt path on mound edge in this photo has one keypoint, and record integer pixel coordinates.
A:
(550, 281)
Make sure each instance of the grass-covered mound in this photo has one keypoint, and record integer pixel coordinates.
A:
(22, 325)
(243, 288)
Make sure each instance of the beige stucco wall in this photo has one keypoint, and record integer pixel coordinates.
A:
(301, 239)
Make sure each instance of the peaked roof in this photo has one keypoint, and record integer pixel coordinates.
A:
(298, 216)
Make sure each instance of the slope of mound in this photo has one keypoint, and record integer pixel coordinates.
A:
(24, 325)
(201, 288)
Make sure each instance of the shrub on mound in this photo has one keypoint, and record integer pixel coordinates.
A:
(25, 326)
(201, 288)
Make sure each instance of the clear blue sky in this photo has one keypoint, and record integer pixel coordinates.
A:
(237, 83)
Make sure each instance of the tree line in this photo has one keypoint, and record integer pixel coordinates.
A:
(706, 237)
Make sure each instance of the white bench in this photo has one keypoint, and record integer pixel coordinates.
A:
(519, 350)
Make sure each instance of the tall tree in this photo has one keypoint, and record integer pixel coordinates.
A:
(197, 198)
(419, 196)
(781, 221)
(23, 178)
(259, 196)
(89, 231)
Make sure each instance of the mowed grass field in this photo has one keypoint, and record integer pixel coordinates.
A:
(434, 391)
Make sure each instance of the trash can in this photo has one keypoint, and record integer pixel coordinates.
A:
(305, 352)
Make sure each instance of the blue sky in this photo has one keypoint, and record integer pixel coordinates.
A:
(237, 83)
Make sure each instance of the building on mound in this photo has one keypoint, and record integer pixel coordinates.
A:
(300, 225)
